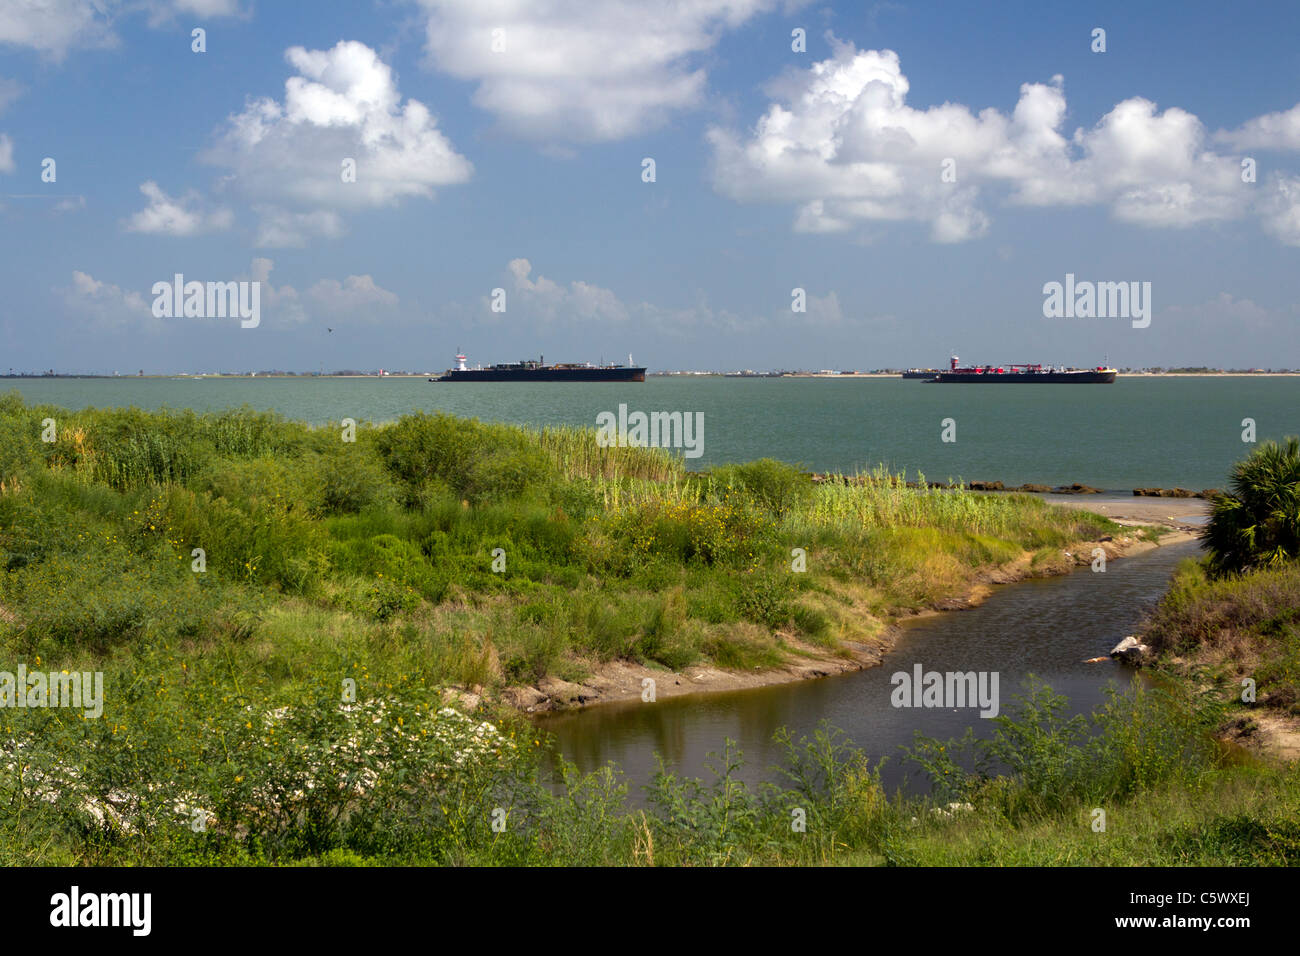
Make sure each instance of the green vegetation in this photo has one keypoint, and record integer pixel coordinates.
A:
(391, 783)
(1226, 629)
(608, 552)
(278, 613)
(1257, 524)
(1235, 616)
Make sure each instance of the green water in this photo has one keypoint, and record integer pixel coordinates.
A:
(1140, 431)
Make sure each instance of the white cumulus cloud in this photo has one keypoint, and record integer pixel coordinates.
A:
(52, 27)
(577, 71)
(534, 301)
(103, 305)
(1270, 131)
(183, 216)
(356, 296)
(1280, 207)
(280, 304)
(279, 227)
(342, 106)
(842, 144)
(212, 9)
(109, 307)
(577, 301)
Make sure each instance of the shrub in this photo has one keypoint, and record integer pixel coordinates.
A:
(1257, 524)
(261, 541)
(1050, 761)
(529, 652)
(18, 443)
(480, 462)
(681, 532)
(349, 480)
(773, 485)
(106, 597)
(713, 602)
(766, 598)
(663, 639)
(1234, 626)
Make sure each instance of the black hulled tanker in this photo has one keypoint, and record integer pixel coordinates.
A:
(529, 370)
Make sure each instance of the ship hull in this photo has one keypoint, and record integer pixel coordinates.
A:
(577, 374)
(1082, 377)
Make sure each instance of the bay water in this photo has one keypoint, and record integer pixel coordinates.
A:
(1140, 431)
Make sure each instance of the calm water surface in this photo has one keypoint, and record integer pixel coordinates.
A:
(1140, 431)
(1046, 627)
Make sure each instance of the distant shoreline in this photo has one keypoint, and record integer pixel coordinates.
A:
(424, 375)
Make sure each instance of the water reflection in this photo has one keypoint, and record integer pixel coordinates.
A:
(1047, 628)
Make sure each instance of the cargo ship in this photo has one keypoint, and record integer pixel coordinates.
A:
(529, 370)
(921, 373)
(1043, 374)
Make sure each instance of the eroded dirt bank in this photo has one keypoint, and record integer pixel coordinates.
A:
(622, 680)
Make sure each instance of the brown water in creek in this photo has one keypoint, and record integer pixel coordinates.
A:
(1045, 627)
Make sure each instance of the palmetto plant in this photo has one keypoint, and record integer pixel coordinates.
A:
(1257, 524)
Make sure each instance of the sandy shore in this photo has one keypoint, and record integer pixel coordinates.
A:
(1185, 514)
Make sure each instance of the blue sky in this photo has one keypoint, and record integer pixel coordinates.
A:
(520, 168)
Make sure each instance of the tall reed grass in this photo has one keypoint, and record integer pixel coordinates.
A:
(578, 453)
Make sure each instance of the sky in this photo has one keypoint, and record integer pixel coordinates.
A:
(592, 179)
